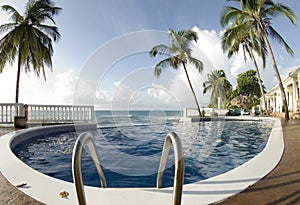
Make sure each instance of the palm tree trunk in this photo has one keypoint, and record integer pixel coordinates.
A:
(190, 84)
(284, 101)
(18, 83)
(258, 75)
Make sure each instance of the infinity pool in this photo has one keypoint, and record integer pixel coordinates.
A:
(130, 155)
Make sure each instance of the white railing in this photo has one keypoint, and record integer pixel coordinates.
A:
(193, 112)
(8, 111)
(60, 113)
(47, 113)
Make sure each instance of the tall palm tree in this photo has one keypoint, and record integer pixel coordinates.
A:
(219, 87)
(28, 38)
(258, 14)
(241, 34)
(178, 54)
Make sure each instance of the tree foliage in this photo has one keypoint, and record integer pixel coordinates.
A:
(218, 86)
(178, 53)
(248, 85)
(28, 38)
(239, 35)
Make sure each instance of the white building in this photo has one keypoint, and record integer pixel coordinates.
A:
(291, 86)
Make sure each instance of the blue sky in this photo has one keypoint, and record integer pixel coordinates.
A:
(87, 26)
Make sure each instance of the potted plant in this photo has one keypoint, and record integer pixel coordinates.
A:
(20, 122)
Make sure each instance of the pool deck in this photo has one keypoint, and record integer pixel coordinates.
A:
(281, 186)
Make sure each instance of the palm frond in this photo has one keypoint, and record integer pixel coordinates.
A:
(281, 9)
(206, 87)
(159, 67)
(190, 35)
(160, 50)
(229, 13)
(15, 15)
(42, 10)
(7, 27)
(197, 63)
(273, 33)
(52, 31)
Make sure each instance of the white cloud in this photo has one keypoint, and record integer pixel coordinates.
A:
(149, 93)
(210, 44)
(153, 92)
(8, 85)
(238, 64)
(104, 95)
(161, 94)
(121, 96)
(84, 92)
(212, 55)
(58, 89)
(180, 88)
(140, 89)
(117, 84)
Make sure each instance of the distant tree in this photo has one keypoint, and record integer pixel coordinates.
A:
(219, 87)
(28, 38)
(248, 85)
(242, 102)
(178, 54)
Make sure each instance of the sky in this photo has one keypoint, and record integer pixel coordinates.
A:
(102, 57)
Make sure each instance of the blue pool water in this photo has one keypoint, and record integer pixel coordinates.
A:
(129, 145)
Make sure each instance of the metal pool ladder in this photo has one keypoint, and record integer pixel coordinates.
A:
(87, 138)
(84, 138)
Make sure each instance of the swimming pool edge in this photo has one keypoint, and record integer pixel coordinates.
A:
(208, 191)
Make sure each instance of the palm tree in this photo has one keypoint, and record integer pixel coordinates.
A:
(258, 14)
(28, 38)
(219, 87)
(178, 54)
(241, 34)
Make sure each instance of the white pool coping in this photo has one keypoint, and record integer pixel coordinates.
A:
(46, 189)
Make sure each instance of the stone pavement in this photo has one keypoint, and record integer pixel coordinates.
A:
(9, 194)
(280, 187)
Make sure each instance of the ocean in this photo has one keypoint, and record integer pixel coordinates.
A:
(108, 118)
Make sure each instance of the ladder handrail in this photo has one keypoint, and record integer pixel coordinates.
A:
(84, 138)
(87, 138)
(179, 166)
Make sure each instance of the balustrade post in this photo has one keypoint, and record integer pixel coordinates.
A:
(21, 110)
(92, 114)
(2, 112)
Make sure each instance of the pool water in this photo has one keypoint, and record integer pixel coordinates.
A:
(130, 155)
